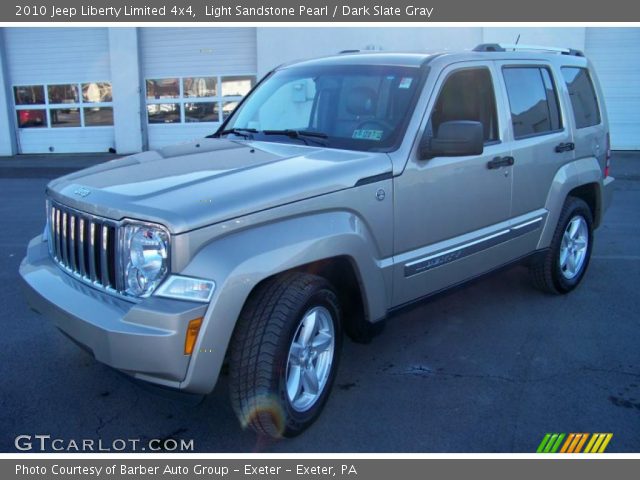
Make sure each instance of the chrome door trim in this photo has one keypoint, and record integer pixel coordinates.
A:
(449, 255)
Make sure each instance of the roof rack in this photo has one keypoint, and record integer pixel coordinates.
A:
(503, 47)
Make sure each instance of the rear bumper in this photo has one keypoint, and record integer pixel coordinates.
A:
(144, 340)
(607, 192)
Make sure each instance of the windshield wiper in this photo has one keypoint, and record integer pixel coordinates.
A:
(300, 135)
(241, 132)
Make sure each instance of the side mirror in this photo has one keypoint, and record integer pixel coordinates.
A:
(454, 139)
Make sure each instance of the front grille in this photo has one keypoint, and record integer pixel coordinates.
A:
(84, 245)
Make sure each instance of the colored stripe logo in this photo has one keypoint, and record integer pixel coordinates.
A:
(574, 443)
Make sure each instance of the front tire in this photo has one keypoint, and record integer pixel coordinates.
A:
(284, 354)
(562, 268)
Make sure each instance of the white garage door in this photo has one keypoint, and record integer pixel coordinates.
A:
(615, 53)
(193, 77)
(60, 82)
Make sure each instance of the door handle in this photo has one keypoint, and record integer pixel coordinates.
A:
(498, 162)
(565, 147)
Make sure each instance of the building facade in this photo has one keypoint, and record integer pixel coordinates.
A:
(124, 90)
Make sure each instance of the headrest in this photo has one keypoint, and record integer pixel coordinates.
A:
(361, 101)
(460, 103)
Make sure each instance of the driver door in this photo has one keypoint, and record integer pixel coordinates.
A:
(449, 209)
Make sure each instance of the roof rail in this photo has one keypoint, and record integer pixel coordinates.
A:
(348, 51)
(503, 47)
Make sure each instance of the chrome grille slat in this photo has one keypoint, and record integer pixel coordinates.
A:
(104, 265)
(52, 230)
(55, 239)
(72, 242)
(81, 247)
(86, 246)
(59, 234)
(64, 243)
(92, 252)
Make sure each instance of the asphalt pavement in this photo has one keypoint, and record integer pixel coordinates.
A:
(491, 367)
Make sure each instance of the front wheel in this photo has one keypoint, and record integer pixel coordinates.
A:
(284, 354)
(561, 269)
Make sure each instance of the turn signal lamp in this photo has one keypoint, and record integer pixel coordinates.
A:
(192, 335)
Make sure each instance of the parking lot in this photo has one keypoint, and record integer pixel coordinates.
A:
(491, 367)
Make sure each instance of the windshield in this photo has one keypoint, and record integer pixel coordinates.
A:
(359, 107)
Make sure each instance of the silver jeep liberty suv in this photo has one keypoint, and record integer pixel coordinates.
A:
(339, 190)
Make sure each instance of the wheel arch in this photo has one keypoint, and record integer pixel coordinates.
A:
(343, 274)
(591, 195)
(336, 245)
(582, 179)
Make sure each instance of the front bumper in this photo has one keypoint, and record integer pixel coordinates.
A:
(145, 340)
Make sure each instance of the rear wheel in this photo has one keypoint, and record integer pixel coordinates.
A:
(561, 269)
(284, 354)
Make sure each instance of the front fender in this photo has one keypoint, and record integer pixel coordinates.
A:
(239, 261)
(572, 175)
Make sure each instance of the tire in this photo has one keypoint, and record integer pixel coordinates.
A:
(269, 348)
(563, 266)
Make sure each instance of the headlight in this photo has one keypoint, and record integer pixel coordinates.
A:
(187, 288)
(146, 258)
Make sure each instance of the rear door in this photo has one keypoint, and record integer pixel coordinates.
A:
(541, 140)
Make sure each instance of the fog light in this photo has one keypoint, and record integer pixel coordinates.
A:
(192, 335)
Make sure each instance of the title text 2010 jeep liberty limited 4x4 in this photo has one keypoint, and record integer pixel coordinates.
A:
(339, 190)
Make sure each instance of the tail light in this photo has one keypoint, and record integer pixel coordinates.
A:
(607, 161)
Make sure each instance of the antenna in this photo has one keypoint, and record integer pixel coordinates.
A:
(518, 39)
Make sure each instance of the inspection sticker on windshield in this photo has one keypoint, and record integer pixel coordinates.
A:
(367, 134)
(405, 82)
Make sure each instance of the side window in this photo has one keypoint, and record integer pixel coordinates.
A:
(533, 100)
(467, 95)
(583, 96)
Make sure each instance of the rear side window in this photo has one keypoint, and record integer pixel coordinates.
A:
(583, 96)
(533, 100)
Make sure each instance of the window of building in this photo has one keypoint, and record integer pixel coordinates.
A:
(533, 100)
(97, 92)
(467, 95)
(64, 105)
(65, 117)
(583, 96)
(194, 99)
(98, 116)
(163, 113)
(63, 93)
(29, 95)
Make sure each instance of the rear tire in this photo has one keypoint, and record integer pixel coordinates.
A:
(284, 354)
(563, 266)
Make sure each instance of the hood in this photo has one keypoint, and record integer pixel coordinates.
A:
(193, 185)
